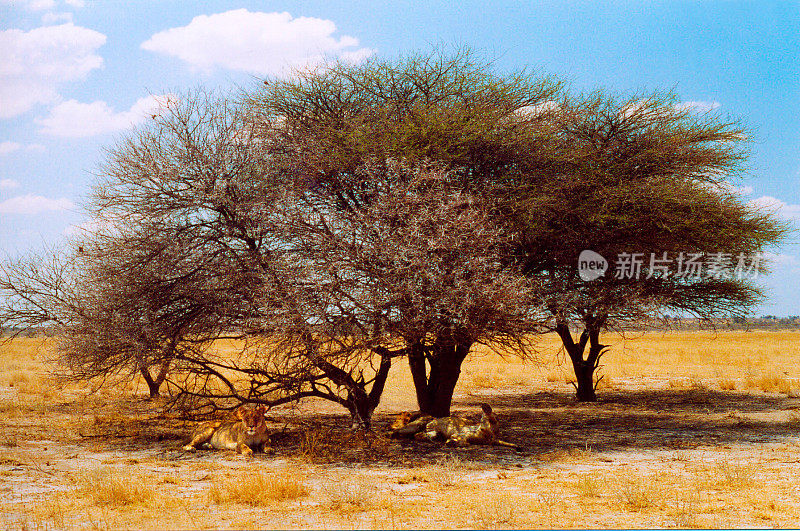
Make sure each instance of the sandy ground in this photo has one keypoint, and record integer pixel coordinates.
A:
(643, 456)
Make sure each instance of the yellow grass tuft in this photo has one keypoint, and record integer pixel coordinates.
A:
(109, 486)
(446, 472)
(638, 493)
(589, 487)
(774, 383)
(495, 512)
(678, 383)
(348, 497)
(555, 376)
(312, 445)
(255, 488)
(483, 381)
(727, 474)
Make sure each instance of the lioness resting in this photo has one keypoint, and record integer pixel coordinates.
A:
(249, 432)
(454, 430)
(408, 424)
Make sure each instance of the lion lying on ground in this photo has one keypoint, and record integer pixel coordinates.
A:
(408, 424)
(243, 435)
(453, 429)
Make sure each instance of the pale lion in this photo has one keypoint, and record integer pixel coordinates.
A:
(243, 435)
(454, 430)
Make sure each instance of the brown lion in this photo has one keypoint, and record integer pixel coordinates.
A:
(454, 430)
(408, 424)
(242, 435)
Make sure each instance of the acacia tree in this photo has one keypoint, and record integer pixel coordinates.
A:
(223, 220)
(446, 111)
(201, 203)
(645, 183)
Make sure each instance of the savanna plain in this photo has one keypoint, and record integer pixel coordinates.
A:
(692, 429)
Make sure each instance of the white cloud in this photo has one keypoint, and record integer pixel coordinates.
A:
(41, 5)
(728, 188)
(56, 18)
(33, 204)
(6, 184)
(7, 147)
(36, 62)
(31, 5)
(700, 107)
(532, 111)
(74, 119)
(641, 108)
(742, 190)
(88, 227)
(768, 203)
(260, 43)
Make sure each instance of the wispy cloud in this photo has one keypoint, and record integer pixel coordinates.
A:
(56, 18)
(31, 5)
(33, 204)
(260, 43)
(35, 63)
(75, 120)
(8, 147)
(42, 5)
(728, 188)
(7, 184)
(50, 16)
(781, 208)
(700, 107)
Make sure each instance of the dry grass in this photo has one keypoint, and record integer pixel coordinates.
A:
(494, 513)
(589, 487)
(726, 474)
(257, 488)
(446, 472)
(107, 486)
(693, 430)
(640, 493)
(348, 496)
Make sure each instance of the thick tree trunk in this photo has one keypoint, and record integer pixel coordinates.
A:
(435, 391)
(419, 375)
(584, 378)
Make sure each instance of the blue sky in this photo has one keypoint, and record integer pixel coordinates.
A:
(76, 74)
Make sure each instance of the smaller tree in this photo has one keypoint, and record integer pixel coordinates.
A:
(643, 182)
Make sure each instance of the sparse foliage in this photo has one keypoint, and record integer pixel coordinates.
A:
(639, 177)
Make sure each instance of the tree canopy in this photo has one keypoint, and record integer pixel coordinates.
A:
(353, 215)
(646, 184)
